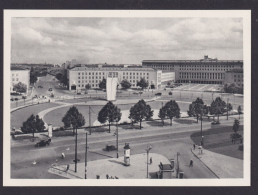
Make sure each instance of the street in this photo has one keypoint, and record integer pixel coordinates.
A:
(166, 141)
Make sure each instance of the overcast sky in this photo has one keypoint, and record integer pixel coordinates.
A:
(124, 40)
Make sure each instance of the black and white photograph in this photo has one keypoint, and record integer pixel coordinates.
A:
(136, 98)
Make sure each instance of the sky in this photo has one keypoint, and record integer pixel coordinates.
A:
(124, 40)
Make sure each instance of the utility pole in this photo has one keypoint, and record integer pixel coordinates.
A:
(227, 109)
(149, 147)
(177, 154)
(90, 119)
(86, 151)
(75, 160)
(201, 130)
(117, 140)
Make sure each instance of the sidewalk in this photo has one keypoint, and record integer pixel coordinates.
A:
(114, 167)
(223, 166)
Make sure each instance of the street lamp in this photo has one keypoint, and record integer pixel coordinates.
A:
(149, 147)
(117, 140)
(86, 152)
(177, 159)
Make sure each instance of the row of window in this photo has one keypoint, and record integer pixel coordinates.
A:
(14, 74)
(91, 73)
(239, 76)
(137, 73)
(91, 77)
(187, 75)
(17, 79)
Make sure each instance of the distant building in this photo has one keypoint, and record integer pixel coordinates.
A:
(207, 70)
(20, 75)
(234, 76)
(93, 75)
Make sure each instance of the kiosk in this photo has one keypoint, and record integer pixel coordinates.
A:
(127, 154)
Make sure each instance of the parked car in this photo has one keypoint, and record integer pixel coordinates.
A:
(50, 89)
(215, 123)
(158, 94)
(43, 142)
(110, 147)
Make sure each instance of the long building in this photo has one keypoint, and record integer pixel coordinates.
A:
(207, 70)
(93, 75)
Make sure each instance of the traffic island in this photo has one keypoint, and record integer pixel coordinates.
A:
(114, 168)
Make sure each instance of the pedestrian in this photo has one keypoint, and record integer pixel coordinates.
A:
(194, 146)
(107, 176)
(62, 155)
(191, 163)
(150, 160)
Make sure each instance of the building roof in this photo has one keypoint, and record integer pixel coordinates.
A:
(165, 167)
(18, 68)
(205, 60)
(114, 68)
(192, 61)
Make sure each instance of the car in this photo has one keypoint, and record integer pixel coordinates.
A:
(12, 99)
(110, 147)
(215, 123)
(50, 89)
(43, 142)
(158, 94)
(136, 93)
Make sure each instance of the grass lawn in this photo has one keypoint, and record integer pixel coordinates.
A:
(218, 140)
(55, 117)
(19, 116)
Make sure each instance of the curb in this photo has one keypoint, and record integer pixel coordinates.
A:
(205, 164)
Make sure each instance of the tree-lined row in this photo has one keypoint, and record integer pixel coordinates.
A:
(139, 112)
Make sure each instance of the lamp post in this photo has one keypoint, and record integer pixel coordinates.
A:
(149, 147)
(86, 152)
(227, 109)
(117, 140)
(177, 159)
(75, 156)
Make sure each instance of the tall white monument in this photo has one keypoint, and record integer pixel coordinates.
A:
(111, 85)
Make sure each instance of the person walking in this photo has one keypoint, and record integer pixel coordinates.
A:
(194, 146)
(150, 160)
(191, 163)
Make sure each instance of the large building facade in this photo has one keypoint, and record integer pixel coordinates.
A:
(81, 76)
(234, 76)
(207, 70)
(20, 75)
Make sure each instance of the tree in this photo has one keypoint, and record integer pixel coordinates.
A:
(33, 77)
(59, 76)
(162, 114)
(87, 86)
(197, 108)
(73, 118)
(125, 84)
(33, 124)
(102, 84)
(236, 126)
(218, 106)
(149, 113)
(143, 83)
(172, 110)
(20, 87)
(110, 113)
(140, 111)
(239, 110)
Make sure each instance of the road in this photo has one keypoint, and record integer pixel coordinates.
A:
(166, 141)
